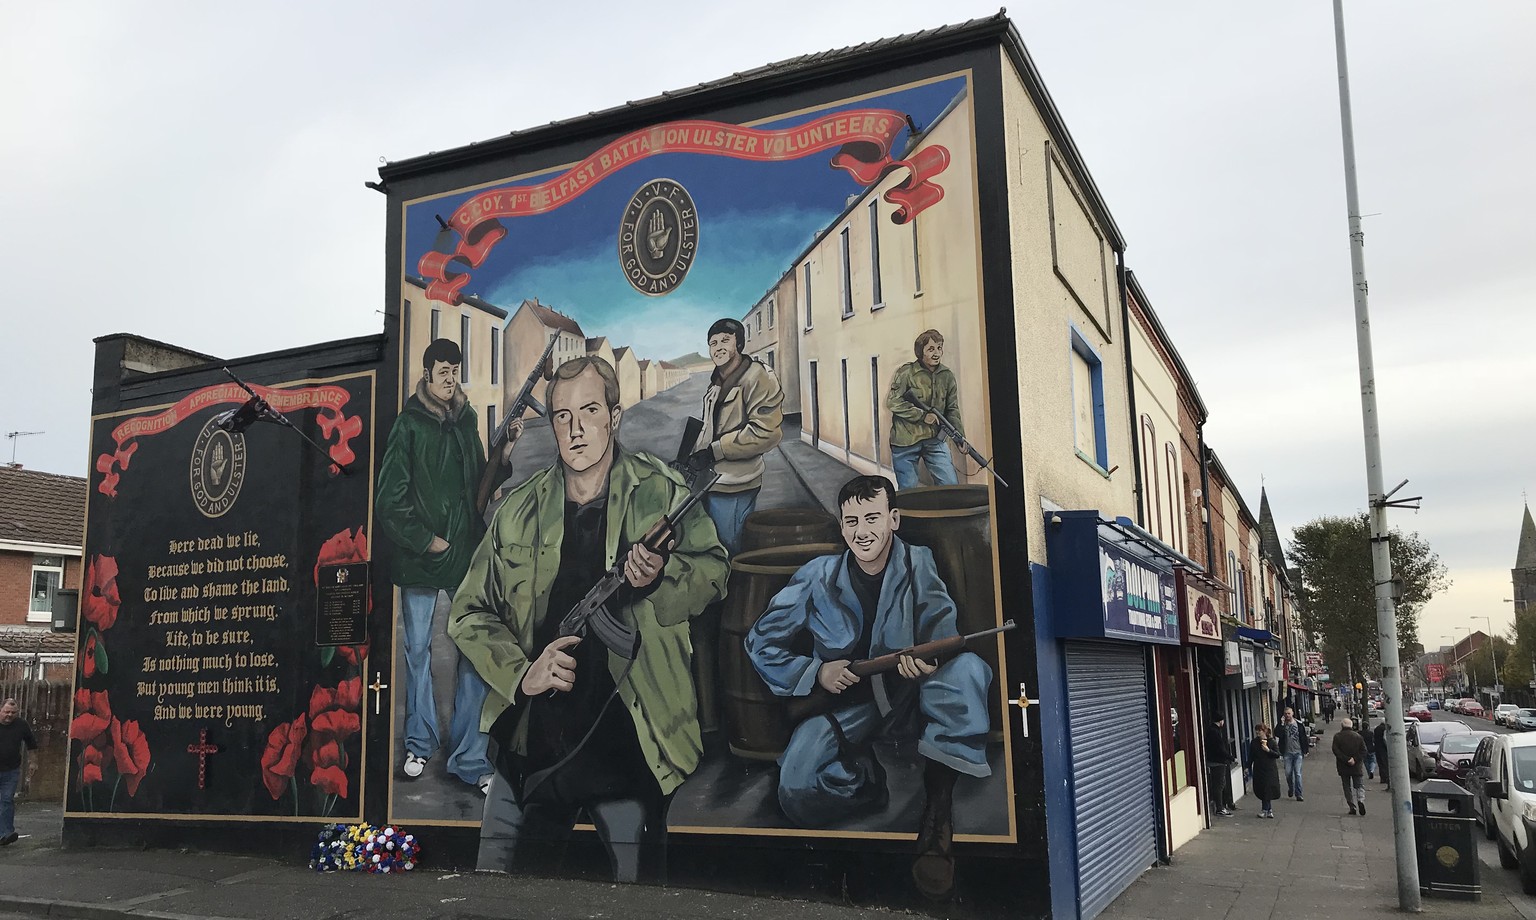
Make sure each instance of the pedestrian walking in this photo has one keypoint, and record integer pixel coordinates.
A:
(14, 732)
(1380, 737)
(1294, 743)
(1349, 755)
(1218, 767)
(1328, 707)
(1370, 753)
(1264, 755)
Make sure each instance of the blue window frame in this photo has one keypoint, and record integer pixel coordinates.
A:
(1088, 435)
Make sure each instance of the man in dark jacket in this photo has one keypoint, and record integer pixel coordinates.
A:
(1349, 756)
(14, 734)
(1379, 736)
(1218, 766)
(427, 506)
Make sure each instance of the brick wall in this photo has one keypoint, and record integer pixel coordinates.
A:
(16, 585)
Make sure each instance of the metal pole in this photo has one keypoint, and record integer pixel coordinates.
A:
(1381, 550)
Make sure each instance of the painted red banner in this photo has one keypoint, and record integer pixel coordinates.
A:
(862, 137)
(334, 423)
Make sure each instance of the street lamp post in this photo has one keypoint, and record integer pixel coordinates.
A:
(1494, 652)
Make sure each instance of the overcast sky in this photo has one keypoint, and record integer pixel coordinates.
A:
(194, 173)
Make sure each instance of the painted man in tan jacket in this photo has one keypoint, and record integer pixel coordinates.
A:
(743, 420)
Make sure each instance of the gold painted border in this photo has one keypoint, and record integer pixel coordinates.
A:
(1001, 678)
(362, 773)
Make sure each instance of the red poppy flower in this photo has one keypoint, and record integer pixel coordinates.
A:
(349, 695)
(345, 547)
(99, 599)
(281, 757)
(93, 761)
(321, 699)
(336, 725)
(328, 774)
(353, 654)
(131, 751)
(88, 657)
(93, 717)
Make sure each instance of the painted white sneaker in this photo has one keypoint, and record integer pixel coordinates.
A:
(414, 765)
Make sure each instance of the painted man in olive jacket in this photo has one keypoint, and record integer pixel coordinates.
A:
(427, 507)
(915, 434)
(612, 739)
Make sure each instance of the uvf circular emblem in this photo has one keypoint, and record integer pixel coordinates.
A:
(218, 469)
(658, 237)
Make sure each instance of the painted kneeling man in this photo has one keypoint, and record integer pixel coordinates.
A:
(881, 596)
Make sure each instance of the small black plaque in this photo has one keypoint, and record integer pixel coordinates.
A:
(342, 602)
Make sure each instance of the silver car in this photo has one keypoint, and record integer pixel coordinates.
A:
(1424, 743)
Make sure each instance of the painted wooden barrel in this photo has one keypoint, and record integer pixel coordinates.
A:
(955, 523)
(755, 722)
(788, 527)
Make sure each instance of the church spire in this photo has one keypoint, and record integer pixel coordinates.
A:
(1525, 556)
(1269, 536)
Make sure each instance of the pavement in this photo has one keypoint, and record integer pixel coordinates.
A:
(40, 878)
(1313, 860)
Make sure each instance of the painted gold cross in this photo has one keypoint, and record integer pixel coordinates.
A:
(377, 685)
(1024, 702)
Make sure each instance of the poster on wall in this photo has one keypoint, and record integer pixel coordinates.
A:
(711, 398)
(200, 687)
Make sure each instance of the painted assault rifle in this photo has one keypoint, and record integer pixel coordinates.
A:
(523, 401)
(947, 428)
(591, 613)
(821, 701)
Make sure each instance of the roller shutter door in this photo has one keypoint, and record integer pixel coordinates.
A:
(1109, 723)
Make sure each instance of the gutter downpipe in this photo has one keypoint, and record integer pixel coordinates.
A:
(1130, 386)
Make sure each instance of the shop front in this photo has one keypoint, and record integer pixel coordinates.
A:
(1113, 613)
(1184, 781)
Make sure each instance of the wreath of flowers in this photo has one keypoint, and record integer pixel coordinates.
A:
(364, 847)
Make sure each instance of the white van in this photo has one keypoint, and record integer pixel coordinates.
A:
(1503, 780)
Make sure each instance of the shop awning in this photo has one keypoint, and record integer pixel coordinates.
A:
(1258, 636)
(1295, 686)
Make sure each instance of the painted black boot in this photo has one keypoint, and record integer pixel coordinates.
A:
(933, 872)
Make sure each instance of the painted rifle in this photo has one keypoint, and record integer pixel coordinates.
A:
(821, 701)
(947, 428)
(523, 401)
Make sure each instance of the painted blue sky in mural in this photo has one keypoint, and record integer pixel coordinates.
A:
(755, 217)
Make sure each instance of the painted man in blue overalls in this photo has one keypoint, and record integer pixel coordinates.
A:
(880, 597)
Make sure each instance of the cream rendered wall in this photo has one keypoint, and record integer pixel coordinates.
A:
(1157, 395)
(780, 336)
(628, 371)
(946, 249)
(1044, 311)
(1235, 546)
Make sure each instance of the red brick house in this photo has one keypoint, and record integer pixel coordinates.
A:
(42, 525)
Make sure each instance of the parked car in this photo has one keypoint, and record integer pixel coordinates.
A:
(1473, 708)
(1454, 758)
(1421, 712)
(1502, 712)
(1503, 784)
(1433, 704)
(1424, 742)
(1523, 720)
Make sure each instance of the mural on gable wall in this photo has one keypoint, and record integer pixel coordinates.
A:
(652, 527)
(224, 609)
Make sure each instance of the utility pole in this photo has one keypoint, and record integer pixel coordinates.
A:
(1494, 652)
(1381, 549)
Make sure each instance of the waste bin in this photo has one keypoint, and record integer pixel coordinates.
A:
(1445, 835)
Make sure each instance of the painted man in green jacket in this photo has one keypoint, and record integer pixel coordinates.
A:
(427, 507)
(606, 737)
(914, 433)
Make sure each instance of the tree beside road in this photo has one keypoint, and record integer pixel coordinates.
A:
(1338, 591)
